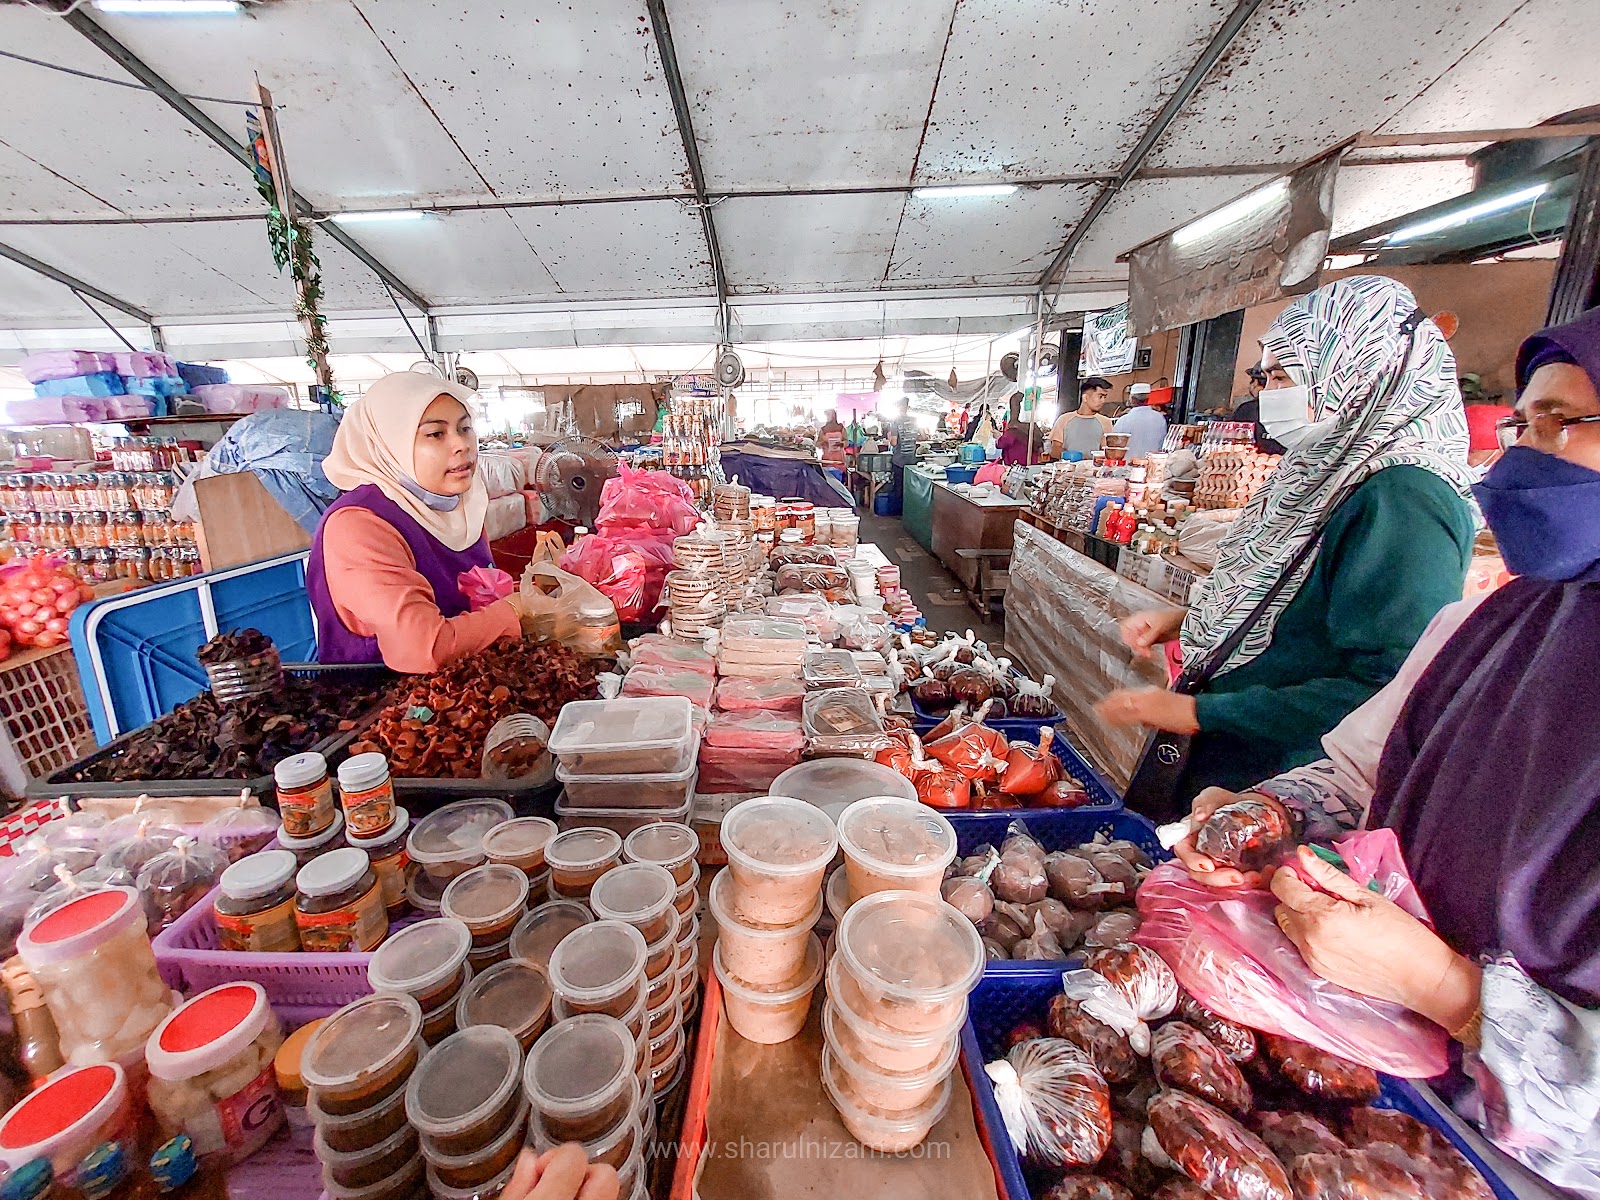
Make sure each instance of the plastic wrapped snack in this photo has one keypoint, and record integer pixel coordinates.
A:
(1181, 1189)
(1056, 1106)
(843, 720)
(755, 729)
(1067, 924)
(1019, 876)
(1291, 1134)
(148, 839)
(1247, 834)
(1125, 986)
(1237, 1041)
(38, 863)
(1107, 1049)
(1215, 1151)
(653, 650)
(970, 896)
(745, 694)
(237, 833)
(1076, 881)
(668, 681)
(1371, 1128)
(1040, 944)
(1318, 1073)
(174, 882)
(1124, 1160)
(1185, 1058)
(1086, 1187)
(1381, 1173)
(830, 582)
(1112, 928)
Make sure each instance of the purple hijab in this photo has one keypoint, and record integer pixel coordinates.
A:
(1491, 775)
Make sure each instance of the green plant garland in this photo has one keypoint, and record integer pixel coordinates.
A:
(290, 239)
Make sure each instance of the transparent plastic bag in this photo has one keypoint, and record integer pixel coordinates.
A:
(38, 860)
(1019, 876)
(1055, 1104)
(561, 607)
(1386, 1172)
(1248, 834)
(1109, 1049)
(1291, 1134)
(668, 681)
(146, 841)
(1112, 929)
(1186, 1059)
(518, 747)
(71, 885)
(1125, 986)
(653, 650)
(1237, 1041)
(174, 882)
(744, 694)
(1086, 1187)
(1371, 1128)
(76, 829)
(1215, 1151)
(756, 730)
(1318, 1073)
(1074, 880)
(237, 833)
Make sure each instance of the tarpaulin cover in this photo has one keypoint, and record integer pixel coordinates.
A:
(285, 449)
(786, 477)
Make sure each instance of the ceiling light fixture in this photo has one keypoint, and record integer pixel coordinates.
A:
(962, 191)
(383, 214)
(1471, 213)
(170, 8)
(1232, 213)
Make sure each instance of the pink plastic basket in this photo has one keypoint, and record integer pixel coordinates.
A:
(301, 987)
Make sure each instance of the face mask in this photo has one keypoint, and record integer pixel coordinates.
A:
(1545, 513)
(1284, 416)
(434, 500)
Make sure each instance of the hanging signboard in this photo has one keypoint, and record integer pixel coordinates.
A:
(1108, 346)
(1266, 245)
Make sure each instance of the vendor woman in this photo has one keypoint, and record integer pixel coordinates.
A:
(387, 555)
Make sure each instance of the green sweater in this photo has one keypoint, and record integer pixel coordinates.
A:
(1392, 556)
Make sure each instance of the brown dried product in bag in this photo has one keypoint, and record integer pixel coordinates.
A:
(1215, 1151)
(1126, 986)
(1108, 1049)
(1381, 1173)
(1113, 867)
(1056, 1105)
(1292, 1134)
(1181, 1189)
(1247, 834)
(1369, 1128)
(1185, 1058)
(1133, 1095)
(1068, 924)
(1086, 1187)
(1318, 1073)
(1039, 946)
(1112, 928)
(1237, 1041)
(969, 896)
(1023, 1031)
(1124, 1159)
(1074, 880)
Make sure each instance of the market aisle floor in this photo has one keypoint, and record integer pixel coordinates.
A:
(936, 591)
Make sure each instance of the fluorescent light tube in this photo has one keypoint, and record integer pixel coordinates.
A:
(1471, 213)
(391, 214)
(170, 8)
(961, 191)
(1231, 214)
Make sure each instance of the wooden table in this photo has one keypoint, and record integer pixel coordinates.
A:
(962, 523)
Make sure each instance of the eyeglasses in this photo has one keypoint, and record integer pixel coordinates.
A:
(1549, 431)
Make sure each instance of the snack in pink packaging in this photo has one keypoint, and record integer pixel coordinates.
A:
(728, 770)
(654, 650)
(649, 680)
(50, 410)
(755, 730)
(140, 365)
(64, 364)
(652, 498)
(775, 695)
(627, 563)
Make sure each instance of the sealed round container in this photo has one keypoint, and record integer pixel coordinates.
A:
(687, 898)
(542, 930)
(834, 783)
(291, 1084)
(427, 961)
(391, 860)
(67, 1116)
(476, 1171)
(305, 794)
(688, 953)
(656, 992)
(615, 1149)
(865, 1082)
(211, 1071)
(449, 840)
(637, 894)
(890, 1052)
(463, 1093)
(837, 897)
(597, 968)
(481, 958)
(92, 960)
(514, 995)
(688, 938)
(339, 908)
(366, 794)
(489, 900)
(661, 955)
(778, 851)
(890, 1132)
(439, 1022)
(578, 857)
(906, 961)
(363, 1054)
(894, 845)
(579, 1078)
(365, 1129)
(759, 954)
(667, 844)
(440, 1190)
(539, 888)
(407, 1183)
(773, 1012)
(662, 1017)
(305, 849)
(255, 905)
(666, 1055)
(425, 893)
(520, 843)
(364, 1168)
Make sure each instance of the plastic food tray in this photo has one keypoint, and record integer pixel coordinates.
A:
(997, 1004)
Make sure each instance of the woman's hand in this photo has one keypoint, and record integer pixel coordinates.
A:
(560, 1174)
(1367, 943)
(1144, 631)
(1204, 870)
(1155, 707)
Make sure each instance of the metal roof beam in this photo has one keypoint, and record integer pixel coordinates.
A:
(77, 285)
(1209, 57)
(691, 152)
(145, 74)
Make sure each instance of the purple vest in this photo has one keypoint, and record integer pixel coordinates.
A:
(437, 563)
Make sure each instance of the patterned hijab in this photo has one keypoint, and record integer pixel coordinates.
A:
(1346, 342)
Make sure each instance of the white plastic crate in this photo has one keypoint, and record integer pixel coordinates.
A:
(46, 721)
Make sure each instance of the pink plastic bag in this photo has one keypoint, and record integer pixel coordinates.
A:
(482, 586)
(994, 472)
(756, 730)
(668, 681)
(774, 694)
(627, 563)
(1228, 953)
(651, 498)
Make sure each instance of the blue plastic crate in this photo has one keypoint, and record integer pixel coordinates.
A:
(954, 474)
(998, 1004)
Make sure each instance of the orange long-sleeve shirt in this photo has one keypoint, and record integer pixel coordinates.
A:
(378, 592)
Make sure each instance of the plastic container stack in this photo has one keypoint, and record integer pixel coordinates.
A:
(625, 762)
(466, 1105)
(766, 905)
(427, 961)
(673, 847)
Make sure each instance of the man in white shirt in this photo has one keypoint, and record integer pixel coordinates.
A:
(1145, 427)
(1084, 429)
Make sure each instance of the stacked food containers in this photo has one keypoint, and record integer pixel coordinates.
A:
(673, 847)
(582, 1085)
(625, 762)
(429, 962)
(640, 896)
(467, 1108)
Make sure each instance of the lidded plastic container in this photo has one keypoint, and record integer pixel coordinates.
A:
(481, 1172)
(514, 995)
(426, 961)
(889, 1051)
(778, 852)
(772, 1012)
(449, 840)
(211, 1071)
(687, 898)
(628, 735)
(598, 967)
(891, 844)
(356, 1169)
(542, 930)
(837, 896)
(759, 954)
(906, 961)
(305, 849)
(637, 894)
(489, 900)
(667, 844)
(362, 1130)
(363, 1054)
(520, 843)
(425, 893)
(615, 1148)
(92, 960)
(866, 1081)
(887, 1131)
(286, 1066)
(404, 1184)
(832, 784)
(70, 1114)
(579, 1078)
(578, 857)
(463, 1093)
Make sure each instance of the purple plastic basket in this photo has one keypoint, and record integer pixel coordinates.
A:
(302, 987)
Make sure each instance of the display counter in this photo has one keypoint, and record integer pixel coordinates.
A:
(916, 504)
(963, 522)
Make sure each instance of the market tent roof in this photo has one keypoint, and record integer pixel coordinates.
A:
(542, 140)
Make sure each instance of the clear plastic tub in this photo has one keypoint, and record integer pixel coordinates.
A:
(514, 995)
(833, 784)
(489, 900)
(578, 857)
(542, 930)
(759, 954)
(405, 1184)
(688, 935)
(363, 1168)
(597, 968)
(363, 1053)
(665, 1051)
(358, 1131)
(615, 1149)
(520, 843)
(639, 1003)
(427, 961)
(477, 1169)
(463, 1094)
(661, 1017)
(637, 894)
(449, 841)
(775, 1012)
(667, 844)
(67, 1116)
(481, 958)
(663, 792)
(439, 1190)
(621, 821)
(891, 1052)
(906, 961)
(866, 1083)
(579, 1078)
(891, 844)
(837, 896)
(439, 1022)
(662, 954)
(778, 851)
(629, 735)
(878, 1129)
(424, 893)
(687, 898)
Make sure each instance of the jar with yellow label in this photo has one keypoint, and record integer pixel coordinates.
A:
(366, 793)
(339, 908)
(389, 857)
(305, 794)
(255, 908)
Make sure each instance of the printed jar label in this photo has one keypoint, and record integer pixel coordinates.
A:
(250, 1112)
(358, 926)
(307, 812)
(392, 872)
(273, 931)
(369, 813)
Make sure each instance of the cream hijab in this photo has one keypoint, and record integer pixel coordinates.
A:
(376, 442)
